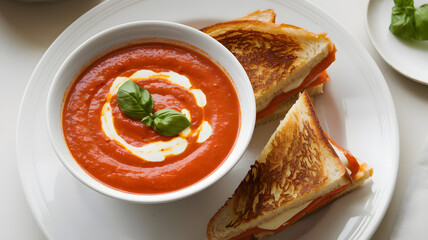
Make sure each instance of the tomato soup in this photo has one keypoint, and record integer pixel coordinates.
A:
(127, 155)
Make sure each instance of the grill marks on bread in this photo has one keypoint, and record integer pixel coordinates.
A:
(292, 168)
(267, 58)
(276, 57)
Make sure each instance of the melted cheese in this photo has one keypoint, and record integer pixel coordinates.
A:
(283, 217)
(296, 84)
(342, 157)
(157, 151)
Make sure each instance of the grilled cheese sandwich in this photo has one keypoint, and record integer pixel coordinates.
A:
(299, 170)
(281, 60)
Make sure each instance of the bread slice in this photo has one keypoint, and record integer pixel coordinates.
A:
(278, 58)
(297, 165)
(267, 15)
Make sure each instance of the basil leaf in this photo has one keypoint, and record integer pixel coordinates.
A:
(134, 101)
(169, 122)
(409, 22)
(404, 3)
(402, 20)
(421, 22)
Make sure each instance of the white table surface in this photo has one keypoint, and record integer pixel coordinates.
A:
(27, 30)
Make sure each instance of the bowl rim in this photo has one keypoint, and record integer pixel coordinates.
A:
(245, 97)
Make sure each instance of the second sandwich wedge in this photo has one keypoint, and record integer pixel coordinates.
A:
(298, 171)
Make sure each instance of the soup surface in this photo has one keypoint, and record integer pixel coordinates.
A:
(125, 154)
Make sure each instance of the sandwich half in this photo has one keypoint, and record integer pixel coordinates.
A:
(298, 171)
(280, 59)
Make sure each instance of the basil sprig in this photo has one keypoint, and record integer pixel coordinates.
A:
(409, 22)
(136, 102)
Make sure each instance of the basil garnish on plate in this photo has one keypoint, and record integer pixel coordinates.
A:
(136, 102)
(409, 22)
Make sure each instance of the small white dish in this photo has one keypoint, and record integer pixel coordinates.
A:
(409, 57)
(139, 32)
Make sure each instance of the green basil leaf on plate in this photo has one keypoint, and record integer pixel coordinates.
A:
(409, 22)
(402, 20)
(421, 22)
(403, 3)
(170, 122)
(134, 101)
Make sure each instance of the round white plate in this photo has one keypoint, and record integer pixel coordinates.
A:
(408, 57)
(356, 110)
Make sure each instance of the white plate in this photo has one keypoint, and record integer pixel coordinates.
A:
(356, 110)
(408, 57)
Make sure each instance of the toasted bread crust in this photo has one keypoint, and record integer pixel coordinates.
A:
(297, 165)
(267, 15)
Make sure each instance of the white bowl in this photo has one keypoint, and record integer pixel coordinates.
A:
(137, 32)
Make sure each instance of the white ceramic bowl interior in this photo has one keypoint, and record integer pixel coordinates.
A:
(137, 32)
